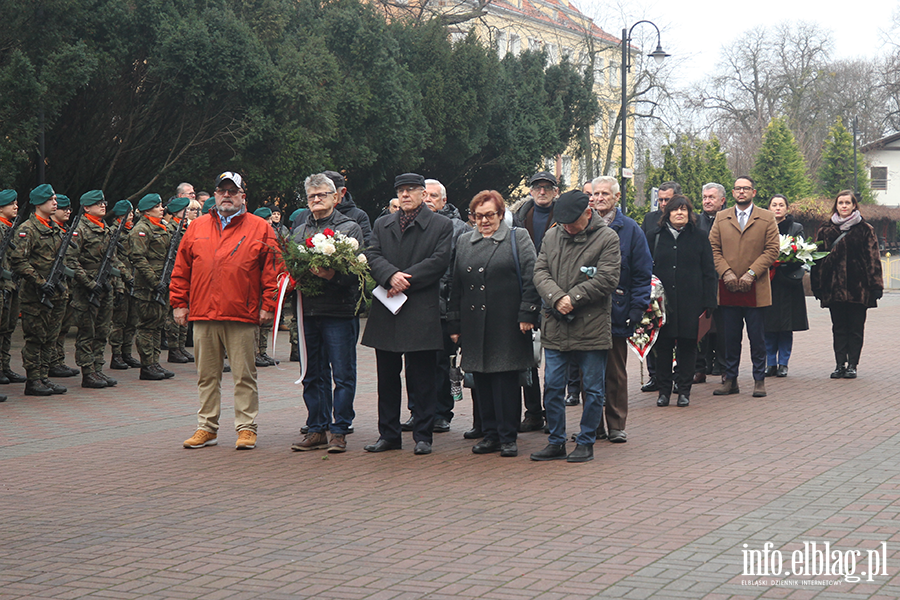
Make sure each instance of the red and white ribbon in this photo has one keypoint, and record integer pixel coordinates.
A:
(301, 337)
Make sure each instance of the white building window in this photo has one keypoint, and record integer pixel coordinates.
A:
(534, 44)
(879, 178)
(598, 127)
(552, 54)
(515, 44)
(614, 74)
(501, 44)
(599, 75)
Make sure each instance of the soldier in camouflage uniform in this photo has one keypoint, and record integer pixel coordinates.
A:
(124, 320)
(58, 367)
(9, 289)
(37, 242)
(89, 245)
(149, 242)
(176, 335)
(262, 357)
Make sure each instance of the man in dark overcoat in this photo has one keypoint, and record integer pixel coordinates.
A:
(409, 252)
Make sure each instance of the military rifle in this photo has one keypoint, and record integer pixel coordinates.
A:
(59, 269)
(106, 264)
(162, 289)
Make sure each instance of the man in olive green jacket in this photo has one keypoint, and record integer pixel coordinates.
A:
(575, 273)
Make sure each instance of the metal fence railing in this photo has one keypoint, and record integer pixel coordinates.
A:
(890, 270)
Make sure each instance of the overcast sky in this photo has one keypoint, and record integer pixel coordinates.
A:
(696, 30)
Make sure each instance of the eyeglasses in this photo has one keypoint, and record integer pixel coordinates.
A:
(229, 191)
(408, 189)
(486, 216)
(319, 196)
(542, 188)
(744, 188)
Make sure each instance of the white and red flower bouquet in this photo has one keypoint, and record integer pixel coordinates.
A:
(654, 318)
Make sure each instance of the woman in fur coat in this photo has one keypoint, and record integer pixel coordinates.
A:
(848, 281)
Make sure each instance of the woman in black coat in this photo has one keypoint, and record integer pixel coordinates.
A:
(683, 261)
(787, 313)
(493, 308)
(848, 281)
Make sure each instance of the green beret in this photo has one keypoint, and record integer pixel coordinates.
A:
(63, 201)
(296, 214)
(149, 201)
(209, 204)
(8, 197)
(263, 212)
(41, 194)
(176, 205)
(122, 207)
(92, 197)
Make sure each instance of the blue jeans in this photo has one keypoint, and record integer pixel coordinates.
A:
(331, 350)
(593, 380)
(778, 347)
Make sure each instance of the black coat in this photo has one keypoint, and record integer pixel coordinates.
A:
(788, 309)
(486, 305)
(423, 251)
(685, 267)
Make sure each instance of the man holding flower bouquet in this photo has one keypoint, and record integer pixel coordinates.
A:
(330, 321)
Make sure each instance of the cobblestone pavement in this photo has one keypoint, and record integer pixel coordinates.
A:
(99, 500)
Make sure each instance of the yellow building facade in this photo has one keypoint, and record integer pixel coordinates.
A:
(560, 29)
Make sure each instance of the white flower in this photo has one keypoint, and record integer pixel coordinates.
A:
(784, 244)
(328, 249)
(362, 258)
(354, 245)
(301, 248)
(319, 239)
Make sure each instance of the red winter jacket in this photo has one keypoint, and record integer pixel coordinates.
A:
(225, 275)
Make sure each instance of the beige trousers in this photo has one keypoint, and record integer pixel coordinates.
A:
(212, 339)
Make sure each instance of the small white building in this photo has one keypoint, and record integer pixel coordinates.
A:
(883, 156)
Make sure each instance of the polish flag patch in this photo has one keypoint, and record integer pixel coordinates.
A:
(23, 234)
(141, 234)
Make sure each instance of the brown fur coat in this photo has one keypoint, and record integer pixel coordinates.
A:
(852, 270)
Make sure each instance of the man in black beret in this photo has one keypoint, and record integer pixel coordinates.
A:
(575, 273)
(408, 254)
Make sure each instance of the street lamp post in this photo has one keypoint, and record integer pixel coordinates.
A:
(659, 55)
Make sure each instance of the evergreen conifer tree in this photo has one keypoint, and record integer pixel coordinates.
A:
(780, 167)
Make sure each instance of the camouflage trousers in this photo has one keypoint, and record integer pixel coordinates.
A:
(40, 327)
(9, 317)
(263, 338)
(59, 351)
(151, 318)
(176, 335)
(124, 324)
(93, 324)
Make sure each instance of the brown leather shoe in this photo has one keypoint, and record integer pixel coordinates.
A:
(700, 377)
(729, 386)
(337, 444)
(312, 441)
(759, 389)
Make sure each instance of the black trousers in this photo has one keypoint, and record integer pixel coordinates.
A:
(442, 379)
(534, 406)
(498, 402)
(420, 382)
(685, 354)
(848, 323)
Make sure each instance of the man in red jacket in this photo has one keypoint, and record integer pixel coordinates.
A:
(224, 281)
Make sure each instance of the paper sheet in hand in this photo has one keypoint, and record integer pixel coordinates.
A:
(392, 304)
